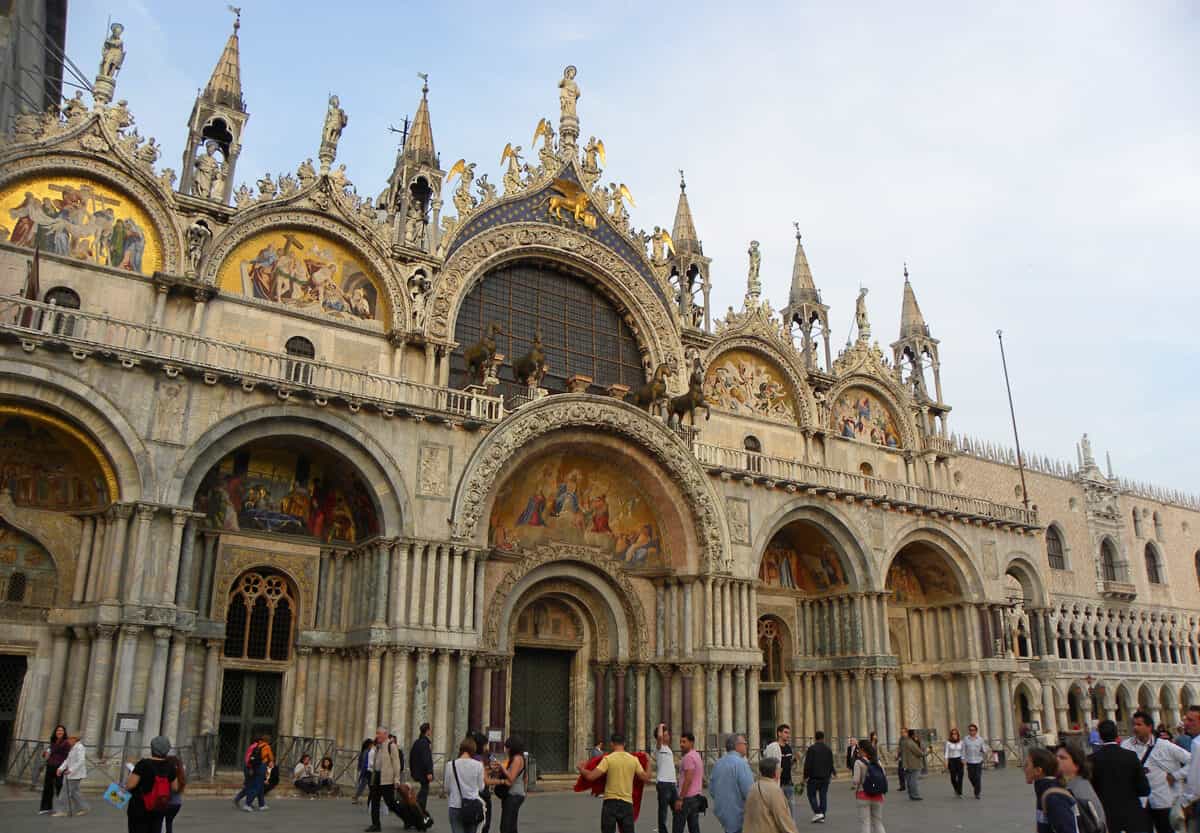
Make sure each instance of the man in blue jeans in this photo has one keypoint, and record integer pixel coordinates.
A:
(818, 771)
(665, 782)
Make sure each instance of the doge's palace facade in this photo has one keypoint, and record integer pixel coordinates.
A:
(295, 461)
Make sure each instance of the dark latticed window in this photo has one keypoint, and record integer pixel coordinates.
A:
(1054, 549)
(582, 331)
(1153, 566)
(16, 588)
(771, 643)
(1108, 561)
(259, 622)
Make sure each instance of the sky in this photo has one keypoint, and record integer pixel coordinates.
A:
(1037, 165)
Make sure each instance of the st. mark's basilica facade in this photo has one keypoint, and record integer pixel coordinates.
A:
(297, 461)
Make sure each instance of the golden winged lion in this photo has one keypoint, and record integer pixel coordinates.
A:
(574, 199)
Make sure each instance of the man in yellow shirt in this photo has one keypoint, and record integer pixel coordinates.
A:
(621, 768)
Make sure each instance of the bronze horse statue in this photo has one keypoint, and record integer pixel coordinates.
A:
(653, 392)
(690, 401)
(480, 355)
(530, 368)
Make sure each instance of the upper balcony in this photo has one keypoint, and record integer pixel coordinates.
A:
(819, 479)
(83, 333)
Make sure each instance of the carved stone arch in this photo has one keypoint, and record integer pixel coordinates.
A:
(654, 324)
(802, 395)
(599, 574)
(1033, 691)
(847, 538)
(131, 179)
(1027, 574)
(952, 547)
(552, 414)
(58, 533)
(275, 215)
(1188, 695)
(380, 472)
(892, 395)
(302, 573)
(585, 606)
(46, 389)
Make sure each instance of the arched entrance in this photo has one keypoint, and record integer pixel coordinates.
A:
(772, 687)
(931, 631)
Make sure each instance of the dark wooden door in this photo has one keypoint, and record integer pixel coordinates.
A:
(541, 705)
(249, 708)
(12, 675)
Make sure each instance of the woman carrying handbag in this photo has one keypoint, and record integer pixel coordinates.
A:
(464, 779)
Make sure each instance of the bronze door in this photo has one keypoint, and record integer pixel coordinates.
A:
(541, 706)
(249, 709)
(12, 675)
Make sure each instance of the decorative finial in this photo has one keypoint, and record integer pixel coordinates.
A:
(424, 76)
(682, 182)
(237, 20)
(906, 271)
(796, 226)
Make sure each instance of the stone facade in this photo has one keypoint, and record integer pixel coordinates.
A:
(249, 440)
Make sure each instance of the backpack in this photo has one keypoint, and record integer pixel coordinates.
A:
(875, 781)
(158, 798)
(1085, 821)
(253, 758)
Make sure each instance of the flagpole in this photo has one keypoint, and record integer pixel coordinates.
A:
(1013, 414)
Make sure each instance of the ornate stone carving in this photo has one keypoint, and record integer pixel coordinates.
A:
(433, 471)
(235, 560)
(566, 410)
(654, 324)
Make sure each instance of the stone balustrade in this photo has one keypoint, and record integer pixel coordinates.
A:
(782, 471)
(86, 333)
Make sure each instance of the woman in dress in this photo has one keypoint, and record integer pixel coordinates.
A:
(54, 754)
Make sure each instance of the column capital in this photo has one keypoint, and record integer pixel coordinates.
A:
(688, 669)
(122, 511)
(375, 652)
(303, 650)
(146, 511)
(401, 650)
(180, 515)
(217, 644)
(162, 634)
(877, 674)
(105, 631)
(739, 671)
(425, 653)
(619, 669)
(131, 630)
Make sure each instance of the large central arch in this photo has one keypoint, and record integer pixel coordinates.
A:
(477, 486)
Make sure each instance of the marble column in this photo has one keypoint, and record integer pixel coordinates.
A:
(115, 544)
(976, 716)
(821, 718)
(712, 708)
(799, 725)
(994, 729)
(462, 699)
(371, 718)
(208, 699)
(101, 541)
(752, 727)
(136, 583)
(599, 703)
(687, 624)
(880, 712)
(185, 591)
(52, 706)
(726, 614)
(421, 691)
(639, 730)
(1006, 705)
(83, 558)
(929, 710)
(457, 589)
(127, 643)
(400, 690)
(860, 693)
(321, 721)
(300, 726)
(383, 564)
(727, 709)
(80, 657)
(156, 685)
(741, 717)
(443, 586)
(471, 591)
(499, 702)
(620, 706)
(1049, 726)
(429, 564)
(397, 614)
(170, 578)
(475, 711)
(709, 618)
(810, 715)
(480, 583)
(845, 684)
(660, 620)
(893, 710)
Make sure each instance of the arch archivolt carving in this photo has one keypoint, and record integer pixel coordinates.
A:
(952, 547)
(582, 602)
(603, 580)
(88, 164)
(272, 216)
(1024, 565)
(562, 411)
(787, 363)
(893, 396)
(842, 532)
(655, 327)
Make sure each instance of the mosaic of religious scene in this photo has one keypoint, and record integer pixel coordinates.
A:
(576, 498)
(859, 415)
(305, 271)
(547, 619)
(798, 558)
(288, 487)
(24, 560)
(741, 382)
(921, 577)
(80, 219)
(44, 467)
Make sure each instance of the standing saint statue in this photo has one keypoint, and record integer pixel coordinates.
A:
(860, 315)
(207, 171)
(331, 133)
(568, 93)
(753, 284)
(113, 54)
(198, 235)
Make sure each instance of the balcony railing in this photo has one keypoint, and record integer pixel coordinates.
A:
(808, 476)
(84, 333)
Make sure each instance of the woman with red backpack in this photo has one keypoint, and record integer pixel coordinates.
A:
(150, 785)
(870, 786)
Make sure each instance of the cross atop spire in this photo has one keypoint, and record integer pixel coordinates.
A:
(419, 146)
(683, 234)
(225, 85)
(912, 322)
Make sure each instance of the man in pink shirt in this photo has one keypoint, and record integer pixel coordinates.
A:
(691, 783)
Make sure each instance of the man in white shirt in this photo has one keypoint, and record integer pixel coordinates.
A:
(1191, 795)
(1165, 763)
(664, 775)
(781, 750)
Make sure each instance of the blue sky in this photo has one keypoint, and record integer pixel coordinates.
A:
(1037, 164)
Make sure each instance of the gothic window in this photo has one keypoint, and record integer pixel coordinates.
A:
(299, 372)
(1108, 561)
(63, 298)
(582, 331)
(770, 642)
(259, 623)
(16, 588)
(1153, 565)
(1054, 549)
